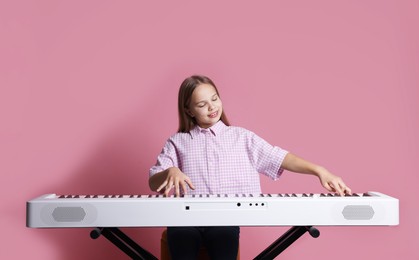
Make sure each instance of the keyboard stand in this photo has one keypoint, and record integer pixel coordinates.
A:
(285, 241)
(135, 251)
(123, 242)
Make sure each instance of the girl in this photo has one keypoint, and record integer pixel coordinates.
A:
(208, 156)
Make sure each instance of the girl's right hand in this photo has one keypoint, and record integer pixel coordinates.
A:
(175, 179)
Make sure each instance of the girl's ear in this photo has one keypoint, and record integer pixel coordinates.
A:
(189, 113)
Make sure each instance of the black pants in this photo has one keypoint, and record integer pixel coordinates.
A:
(222, 243)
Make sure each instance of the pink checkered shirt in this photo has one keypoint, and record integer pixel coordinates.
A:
(222, 159)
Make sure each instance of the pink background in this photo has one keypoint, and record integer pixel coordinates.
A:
(88, 97)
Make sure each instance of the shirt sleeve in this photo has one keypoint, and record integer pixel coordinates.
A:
(266, 158)
(166, 159)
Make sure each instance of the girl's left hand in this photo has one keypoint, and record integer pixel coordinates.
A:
(333, 183)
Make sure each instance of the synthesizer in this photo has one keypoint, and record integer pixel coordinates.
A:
(307, 209)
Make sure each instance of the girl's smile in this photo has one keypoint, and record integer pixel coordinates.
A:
(214, 115)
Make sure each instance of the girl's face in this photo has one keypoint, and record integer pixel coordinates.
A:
(206, 106)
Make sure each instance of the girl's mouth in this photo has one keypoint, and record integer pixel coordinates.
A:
(213, 115)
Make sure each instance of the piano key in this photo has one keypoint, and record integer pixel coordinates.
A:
(244, 195)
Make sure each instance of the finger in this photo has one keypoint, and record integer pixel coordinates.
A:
(340, 189)
(177, 191)
(347, 190)
(328, 187)
(190, 184)
(169, 186)
(184, 187)
(334, 188)
(162, 186)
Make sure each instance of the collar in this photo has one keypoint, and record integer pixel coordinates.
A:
(216, 129)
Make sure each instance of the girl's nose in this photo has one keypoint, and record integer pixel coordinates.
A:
(211, 106)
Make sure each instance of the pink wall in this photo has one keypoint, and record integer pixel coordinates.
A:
(88, 97)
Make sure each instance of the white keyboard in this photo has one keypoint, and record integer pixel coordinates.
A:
(54, 211)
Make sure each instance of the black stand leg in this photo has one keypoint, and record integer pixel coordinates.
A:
(135, 251)
(123, 242)
(285, 241)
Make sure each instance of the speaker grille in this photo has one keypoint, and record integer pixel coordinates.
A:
(68, 214)
(358, 212)
(79, 214)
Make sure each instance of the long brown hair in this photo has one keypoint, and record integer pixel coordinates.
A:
(186, 122)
